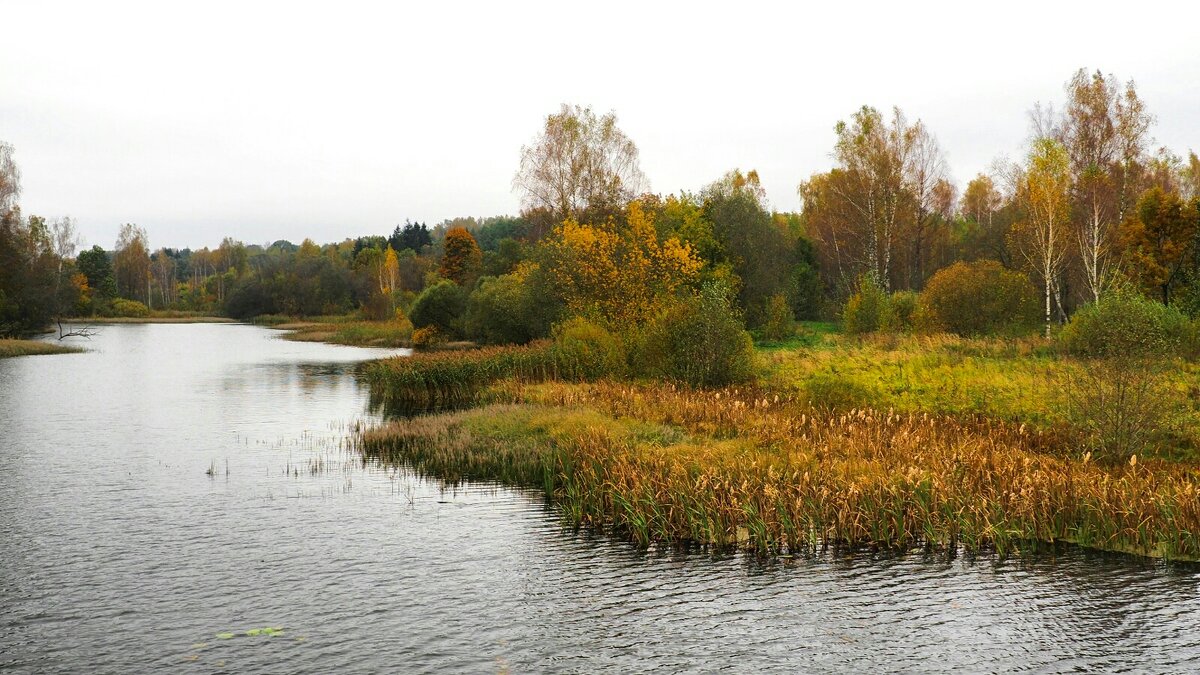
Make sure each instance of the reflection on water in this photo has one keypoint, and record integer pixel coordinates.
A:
(181, 485)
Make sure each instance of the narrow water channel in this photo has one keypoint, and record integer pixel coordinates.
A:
(180, 486)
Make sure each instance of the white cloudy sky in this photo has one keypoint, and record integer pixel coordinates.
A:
(269, 121)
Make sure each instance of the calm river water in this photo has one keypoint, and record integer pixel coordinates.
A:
(181, 483)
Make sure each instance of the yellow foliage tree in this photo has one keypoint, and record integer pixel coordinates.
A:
(616, 272)
(389, 273)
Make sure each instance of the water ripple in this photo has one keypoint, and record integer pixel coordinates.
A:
(121, 554)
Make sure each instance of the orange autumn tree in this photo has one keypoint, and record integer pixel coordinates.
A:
(1158, 240)
(462, 259)
(615, 272)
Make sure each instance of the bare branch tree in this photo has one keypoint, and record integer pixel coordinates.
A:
(10, 178)
(579, 164)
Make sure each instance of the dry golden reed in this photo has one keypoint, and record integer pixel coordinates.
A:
(739, 467)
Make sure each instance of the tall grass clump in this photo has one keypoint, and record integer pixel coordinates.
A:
(12, 347)
(437, 380)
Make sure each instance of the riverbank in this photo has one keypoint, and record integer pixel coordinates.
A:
(14, 348)
(787, 465)
(658, 464)
(154, 319)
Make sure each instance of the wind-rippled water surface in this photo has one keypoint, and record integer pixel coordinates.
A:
(180, 484)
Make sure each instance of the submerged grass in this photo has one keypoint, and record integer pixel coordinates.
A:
(11, 348)
(728, 468)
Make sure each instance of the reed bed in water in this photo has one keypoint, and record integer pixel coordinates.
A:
(729, 468)
(438, 380)
(10, 348)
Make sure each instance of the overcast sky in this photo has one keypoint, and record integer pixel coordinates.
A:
(335, 120)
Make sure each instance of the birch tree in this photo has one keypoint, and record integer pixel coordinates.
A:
(874, 156)
(1090, 136)
(580, 166)
(131, 263)
(1105, 130)
(1043, 187)
(10, 179)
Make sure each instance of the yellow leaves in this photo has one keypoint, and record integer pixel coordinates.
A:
(390, 273)
(618, 271)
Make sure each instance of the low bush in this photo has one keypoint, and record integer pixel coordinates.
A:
(1121, 395)
(868, 310)
(1126, 324)
(429, 336)
(122, 307)
(979, 298)
(698, 340)
(902, 311)
(584, 350)
(779, 323)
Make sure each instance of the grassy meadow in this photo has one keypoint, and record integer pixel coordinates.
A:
(882, 442)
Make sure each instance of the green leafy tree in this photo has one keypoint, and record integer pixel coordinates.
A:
(442, 306)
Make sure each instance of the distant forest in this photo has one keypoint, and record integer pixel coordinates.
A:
(1092, 206)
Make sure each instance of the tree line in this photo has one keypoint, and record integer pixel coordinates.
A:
(1090, 206)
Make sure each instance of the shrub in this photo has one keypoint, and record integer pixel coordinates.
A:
(868, 310)
(805, 293)
(1120, 395)
(1126, 324)
(902, 314)
(429, 336)
(779, 322)
(129, 308)
(699, 340)
(979, 298)
(584, 350)
(440, 305)
(503, 310)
